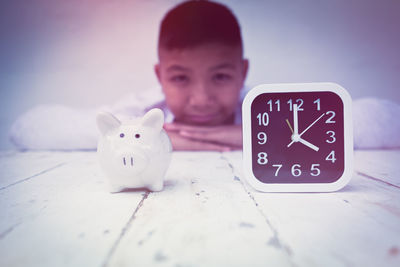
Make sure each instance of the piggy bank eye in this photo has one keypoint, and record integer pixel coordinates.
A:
(137, 135)
(122, 135)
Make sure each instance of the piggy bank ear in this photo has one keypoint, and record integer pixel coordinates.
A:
(154, 118)
(106, 122)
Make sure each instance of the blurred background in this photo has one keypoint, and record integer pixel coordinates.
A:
(88, 53)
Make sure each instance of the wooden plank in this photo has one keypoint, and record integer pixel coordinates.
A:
(17, 167)
(357, 226)
(63, 217)
(202, 218)
(381, 165)
(207, 215)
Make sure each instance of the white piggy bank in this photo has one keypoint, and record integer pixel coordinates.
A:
(134, 154)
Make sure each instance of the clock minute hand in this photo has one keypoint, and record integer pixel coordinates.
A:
(295, 132)
(295, 120)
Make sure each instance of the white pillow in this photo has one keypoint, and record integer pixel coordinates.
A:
(376, 123)
(55, 127)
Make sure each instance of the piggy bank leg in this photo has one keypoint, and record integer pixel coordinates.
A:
(158, 186)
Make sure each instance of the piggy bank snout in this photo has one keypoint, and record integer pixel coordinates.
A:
(131, 161)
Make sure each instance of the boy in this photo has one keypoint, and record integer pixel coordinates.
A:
(201, 71)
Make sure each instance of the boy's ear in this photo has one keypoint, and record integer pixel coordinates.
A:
(106, 122)
(157, 71)
(154, 118)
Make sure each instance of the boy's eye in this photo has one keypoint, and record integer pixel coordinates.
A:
(179, 79)
(222, 77)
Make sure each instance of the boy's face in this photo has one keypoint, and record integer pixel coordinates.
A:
(202, 84)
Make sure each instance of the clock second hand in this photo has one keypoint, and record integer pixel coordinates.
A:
(314, 122)
(301, 140)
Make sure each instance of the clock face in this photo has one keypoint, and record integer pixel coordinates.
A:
(297, 137)
(279, 158)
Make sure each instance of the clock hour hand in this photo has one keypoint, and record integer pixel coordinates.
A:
(306, 143)
(297, 138)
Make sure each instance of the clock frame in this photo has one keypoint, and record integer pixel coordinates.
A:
(279, 158)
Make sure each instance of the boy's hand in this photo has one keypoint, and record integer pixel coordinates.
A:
(216, 138)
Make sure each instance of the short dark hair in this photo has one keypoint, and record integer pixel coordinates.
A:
(193, 23)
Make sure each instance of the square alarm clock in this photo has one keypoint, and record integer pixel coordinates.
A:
(297, 137)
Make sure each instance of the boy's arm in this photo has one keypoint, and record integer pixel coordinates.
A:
(217, 138)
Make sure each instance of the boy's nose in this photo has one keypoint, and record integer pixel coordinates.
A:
(200, 96)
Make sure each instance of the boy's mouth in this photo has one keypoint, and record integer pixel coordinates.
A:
(201, 118)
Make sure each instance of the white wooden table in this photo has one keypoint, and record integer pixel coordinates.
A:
(56, 211)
